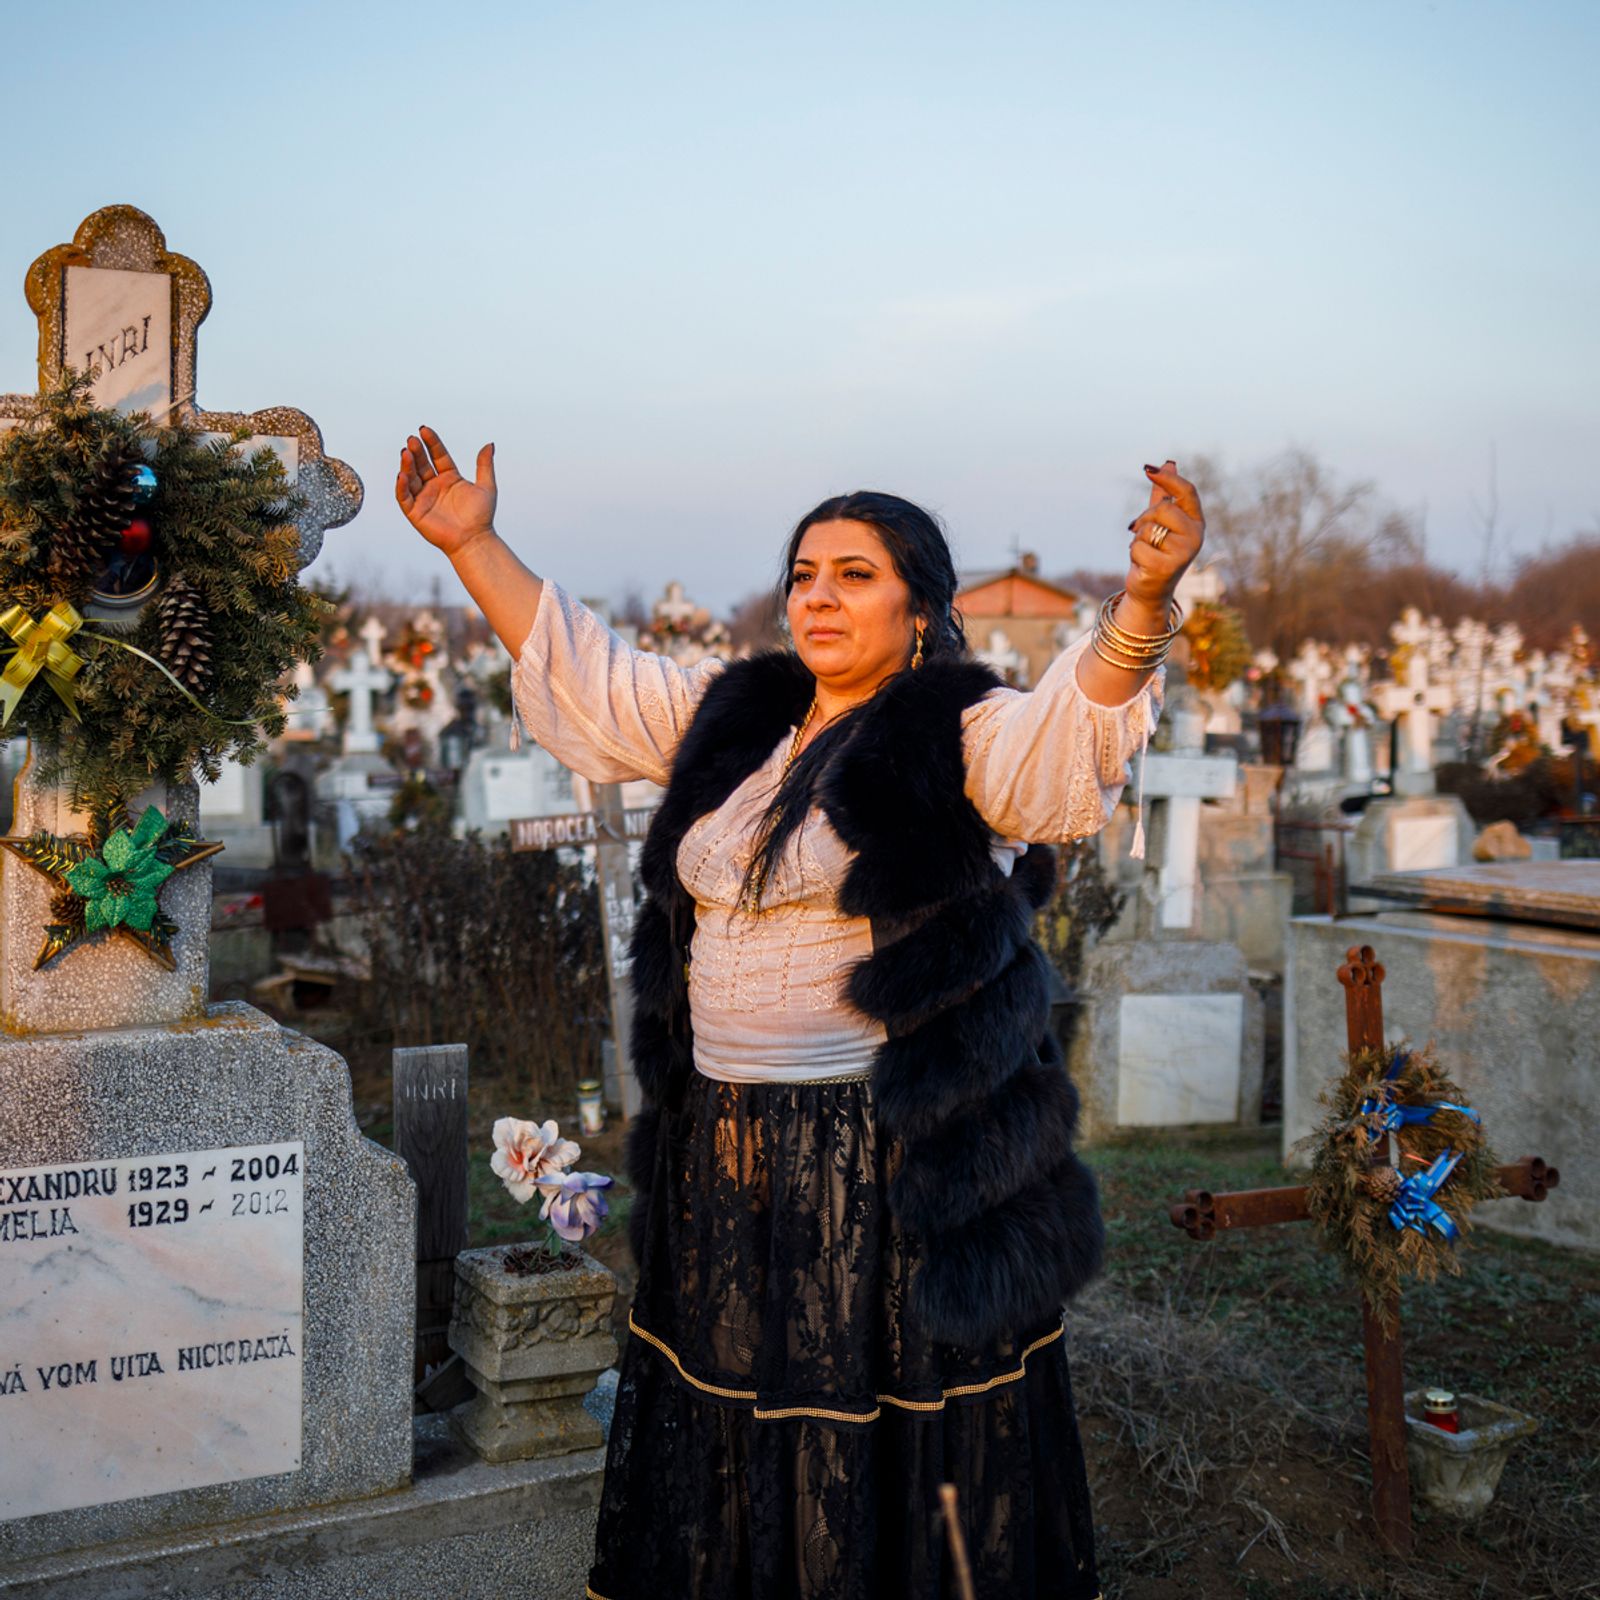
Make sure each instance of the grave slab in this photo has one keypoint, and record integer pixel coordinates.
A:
(1410, 834)
(461, 1528)
(200, 1095)
(1208, 1070)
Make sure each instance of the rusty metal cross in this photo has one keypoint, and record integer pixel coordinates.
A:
(1202, 1215)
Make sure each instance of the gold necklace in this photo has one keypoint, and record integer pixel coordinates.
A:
(800, 733)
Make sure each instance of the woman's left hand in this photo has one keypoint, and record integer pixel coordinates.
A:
(1175, 506)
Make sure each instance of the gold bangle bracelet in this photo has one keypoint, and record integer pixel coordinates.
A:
(1174, 621)
(1134, 648)
(1147, 665)
(1157, 649)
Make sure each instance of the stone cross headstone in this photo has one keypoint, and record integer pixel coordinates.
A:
(116, 302)
(674, 610)
(201, 1334)
(364, 678)
(1180, 780)
(1005, 658)
(1415, 703)
(1312, 673)
(1551, 683)
(1350, 715)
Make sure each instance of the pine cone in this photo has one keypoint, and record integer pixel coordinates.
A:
(185, 643)
(1383, 1184)
(83, 547)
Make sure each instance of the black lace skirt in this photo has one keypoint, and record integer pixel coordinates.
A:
(781, 1429)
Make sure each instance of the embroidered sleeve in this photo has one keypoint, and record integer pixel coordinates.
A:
(1049, 765)
(600, 707)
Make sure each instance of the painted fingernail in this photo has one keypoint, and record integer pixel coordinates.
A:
(1149, 468)
(1132, 525)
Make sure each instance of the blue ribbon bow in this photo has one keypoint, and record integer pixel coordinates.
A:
(1392, 1117)
(1415, 1206)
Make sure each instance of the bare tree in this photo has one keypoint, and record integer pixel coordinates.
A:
(1298, 545)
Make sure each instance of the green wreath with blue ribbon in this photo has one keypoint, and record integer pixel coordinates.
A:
(1398, 1161)
(195, 544)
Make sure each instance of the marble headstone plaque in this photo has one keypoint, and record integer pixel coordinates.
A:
(1417, 844)
(1178, 1059)
(119, 326)
(150, 1325)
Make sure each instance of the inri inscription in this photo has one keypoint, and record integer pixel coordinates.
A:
(150, 1325)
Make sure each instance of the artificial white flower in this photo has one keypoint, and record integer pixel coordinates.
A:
(525, 1152)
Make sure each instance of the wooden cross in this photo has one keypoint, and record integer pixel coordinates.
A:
(1202, 1214)
(608, 827)
(430, 1136)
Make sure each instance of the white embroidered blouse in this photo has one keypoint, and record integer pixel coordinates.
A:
(766, 989)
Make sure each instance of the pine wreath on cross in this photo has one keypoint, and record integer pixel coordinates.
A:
(105, 508)
(185, 644)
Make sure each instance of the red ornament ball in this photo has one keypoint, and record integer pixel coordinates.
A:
(136, 537)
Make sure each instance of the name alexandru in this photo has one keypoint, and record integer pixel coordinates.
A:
(43, 1188)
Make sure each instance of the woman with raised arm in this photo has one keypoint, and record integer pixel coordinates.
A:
(858, 1211)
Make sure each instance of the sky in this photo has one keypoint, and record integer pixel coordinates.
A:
(695, 267)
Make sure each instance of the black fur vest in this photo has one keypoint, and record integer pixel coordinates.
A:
(970, 1078)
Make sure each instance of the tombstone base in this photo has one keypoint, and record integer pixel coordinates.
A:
(230, 1079)
(1171, 1035)
(1407, 834)
(461, 1528)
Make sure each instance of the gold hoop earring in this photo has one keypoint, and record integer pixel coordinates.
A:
(916, 660)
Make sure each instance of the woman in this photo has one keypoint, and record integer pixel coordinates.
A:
(858, 1210)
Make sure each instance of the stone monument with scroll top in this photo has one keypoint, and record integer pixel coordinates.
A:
(206, 1306)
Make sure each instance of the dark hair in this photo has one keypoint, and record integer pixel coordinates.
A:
(921, 556)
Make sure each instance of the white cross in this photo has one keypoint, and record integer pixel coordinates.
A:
(1312, 670)
(361, 680)
(1350, 714)
(1180, 781)
(1472, 649)
(1005, 658)
(1552, 684)
(1411, 630)
(1414, 702)
(673, 608)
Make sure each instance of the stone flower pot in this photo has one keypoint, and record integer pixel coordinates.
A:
(1458, 1472)
(534, 1344)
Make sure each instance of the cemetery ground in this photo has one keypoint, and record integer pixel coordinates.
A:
(1220, 1385)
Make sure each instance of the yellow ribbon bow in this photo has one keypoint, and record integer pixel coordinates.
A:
(41, 646)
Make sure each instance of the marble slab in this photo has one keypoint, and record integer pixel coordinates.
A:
(229, 1078)
(119, 325)
(151, 1323)
(1417, 844)
(1178, 1059)
(1519, 891)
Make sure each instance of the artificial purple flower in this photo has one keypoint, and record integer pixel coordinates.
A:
(573, 1204)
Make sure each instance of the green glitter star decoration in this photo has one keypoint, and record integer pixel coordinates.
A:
(110, 882)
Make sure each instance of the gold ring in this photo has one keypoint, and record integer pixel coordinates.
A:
(1158, 535)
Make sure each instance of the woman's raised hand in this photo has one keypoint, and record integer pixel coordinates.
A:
(449, 511)
(1166, 537)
